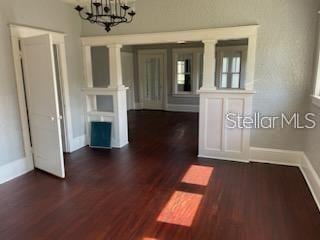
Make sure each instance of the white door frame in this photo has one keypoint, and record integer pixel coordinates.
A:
(18, 32)
(151, 52)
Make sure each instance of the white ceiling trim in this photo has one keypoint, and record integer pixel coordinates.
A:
(228, 33)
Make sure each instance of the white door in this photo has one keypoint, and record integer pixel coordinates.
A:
(151, 75)
(42, 101)
(128, 77)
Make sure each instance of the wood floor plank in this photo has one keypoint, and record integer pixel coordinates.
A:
(119, 194)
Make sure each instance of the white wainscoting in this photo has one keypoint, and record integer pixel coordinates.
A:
(290, 158)
(15, 169)
(216, 139)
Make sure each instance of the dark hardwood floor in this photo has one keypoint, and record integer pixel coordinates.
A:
(143, 192)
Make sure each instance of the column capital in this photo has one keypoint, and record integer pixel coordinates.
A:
(115, 45)
(212, 41)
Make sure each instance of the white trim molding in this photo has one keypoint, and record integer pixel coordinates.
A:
(275, 156)
(162, 54)
(316, 100)
(290, 158)
(312, 178)
(194, 55)
(15, 169)
(17, 32)
(182, 108)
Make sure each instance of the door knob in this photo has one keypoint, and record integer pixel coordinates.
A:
(52, 118)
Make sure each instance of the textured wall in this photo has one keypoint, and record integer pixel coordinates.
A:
(48, 14)
(284, 53)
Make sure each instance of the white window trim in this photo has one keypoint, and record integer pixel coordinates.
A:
(316, 100)
(244, 53)
(195, 71)
(316, 92)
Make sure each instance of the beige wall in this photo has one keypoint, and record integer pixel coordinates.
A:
(48, 14)
(285, 48)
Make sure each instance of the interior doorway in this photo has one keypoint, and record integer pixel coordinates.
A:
(61, 100)
(152, 76)
(41, 74)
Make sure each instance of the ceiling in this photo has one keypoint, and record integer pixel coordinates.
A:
(83, 1)
(76, 1)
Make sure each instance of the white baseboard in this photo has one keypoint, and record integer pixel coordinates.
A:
(275, 156)
(77, 143)
(174, 107)
(224, 158)
(15, 169)
(290, 158)
(138, 106)
(312, 178)
(182, 108)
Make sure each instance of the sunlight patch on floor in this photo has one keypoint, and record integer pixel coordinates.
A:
(181, 209)
(199, 175)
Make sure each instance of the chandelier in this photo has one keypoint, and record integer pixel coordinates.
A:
(107, 13)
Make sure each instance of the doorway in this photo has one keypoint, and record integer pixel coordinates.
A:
(57, 66)
(152, 73)
(42, 84)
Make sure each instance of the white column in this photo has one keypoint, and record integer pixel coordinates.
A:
(87, 67)
(115, 66)
(209, 64)
(120, 123)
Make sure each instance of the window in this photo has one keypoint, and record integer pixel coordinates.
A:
(187, 71)
(184, 74)
(230, 67)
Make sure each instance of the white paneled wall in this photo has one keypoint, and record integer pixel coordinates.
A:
(216, 138)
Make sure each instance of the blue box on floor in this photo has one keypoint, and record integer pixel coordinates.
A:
(101, 134)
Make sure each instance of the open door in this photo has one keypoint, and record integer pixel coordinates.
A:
(43, 107)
